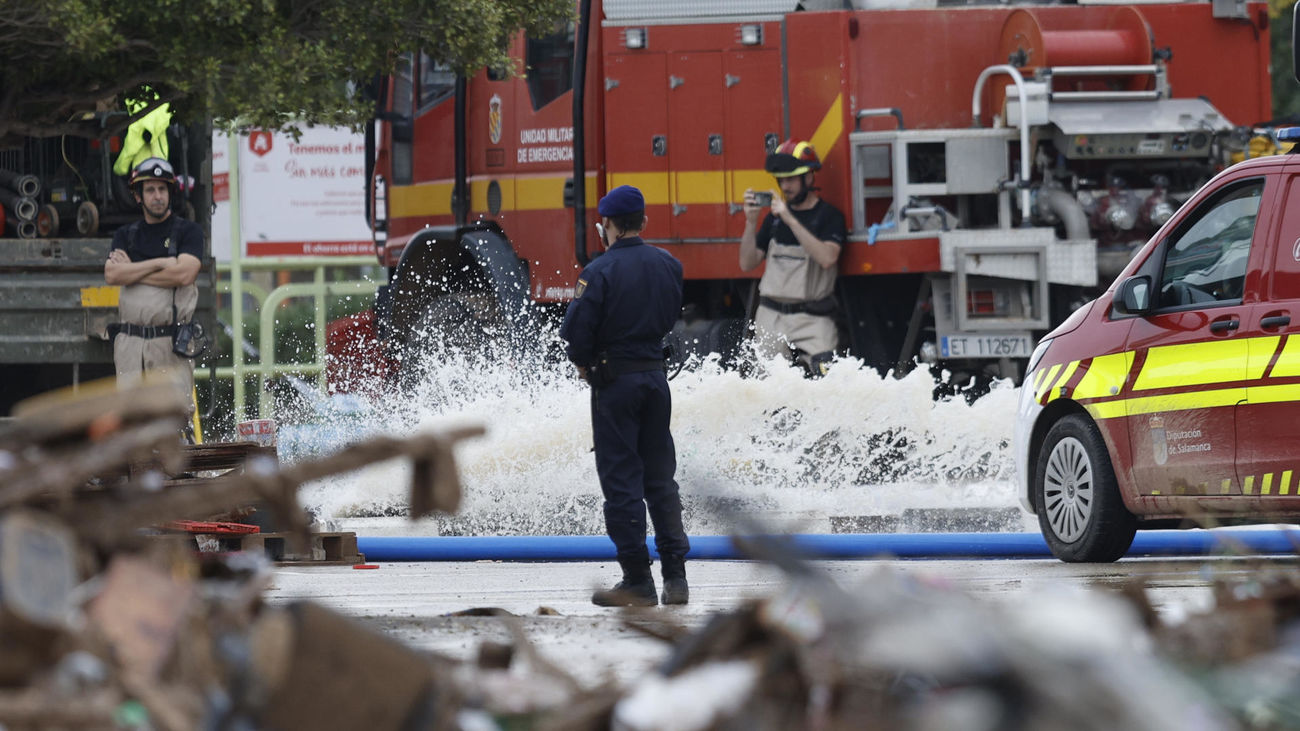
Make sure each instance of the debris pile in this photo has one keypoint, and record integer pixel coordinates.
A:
(103, 626)
(908, 653)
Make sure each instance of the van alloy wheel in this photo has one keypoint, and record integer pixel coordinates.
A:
(1067, 489)
(1077, 498)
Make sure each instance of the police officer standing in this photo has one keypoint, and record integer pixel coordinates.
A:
(155, 262)
(625, 303)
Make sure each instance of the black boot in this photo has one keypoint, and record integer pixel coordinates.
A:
(674, 570)
(637, 589)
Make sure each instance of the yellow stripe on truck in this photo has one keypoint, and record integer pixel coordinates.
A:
(478, 194)
(424, 199)
(539, 194)
(654, 186)
(522, 192)
(701, 187)
(830, 129)
(739, 180)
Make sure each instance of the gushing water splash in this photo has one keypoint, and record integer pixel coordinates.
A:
(794, 451)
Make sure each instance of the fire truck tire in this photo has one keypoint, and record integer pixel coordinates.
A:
(1080, 510)
(461, 320)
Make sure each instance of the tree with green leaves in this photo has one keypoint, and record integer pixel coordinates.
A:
(1286, 90)
(69, 66)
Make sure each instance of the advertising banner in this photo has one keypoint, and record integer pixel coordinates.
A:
(296, 197)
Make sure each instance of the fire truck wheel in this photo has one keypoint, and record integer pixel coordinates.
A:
(461, 322)
(1080, 510)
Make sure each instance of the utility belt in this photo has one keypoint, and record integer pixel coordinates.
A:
(607, 369)
(824, 306)
(147, 332)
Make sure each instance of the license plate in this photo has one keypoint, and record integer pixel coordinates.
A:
(985, 346)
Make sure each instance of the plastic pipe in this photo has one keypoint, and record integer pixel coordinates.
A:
(820, 546)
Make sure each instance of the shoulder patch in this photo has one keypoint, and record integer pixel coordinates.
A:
(578, 290)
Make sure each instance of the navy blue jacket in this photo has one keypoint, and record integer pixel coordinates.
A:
(626, 301)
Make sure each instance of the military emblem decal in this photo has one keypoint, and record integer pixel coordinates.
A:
(582, 287)
(494, 119)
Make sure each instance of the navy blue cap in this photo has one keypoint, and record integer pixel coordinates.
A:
(620, 201)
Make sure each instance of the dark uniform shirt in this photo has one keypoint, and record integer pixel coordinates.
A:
(151, 241)
(626, 301)
(823, 220)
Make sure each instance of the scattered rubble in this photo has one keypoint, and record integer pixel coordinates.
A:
(105, 626)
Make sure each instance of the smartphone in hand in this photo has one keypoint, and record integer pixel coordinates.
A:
(762, 198)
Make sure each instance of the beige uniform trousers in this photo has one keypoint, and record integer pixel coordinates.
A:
(779, 333)
(150, 306)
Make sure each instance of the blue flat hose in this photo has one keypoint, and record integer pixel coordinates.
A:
(822, 546)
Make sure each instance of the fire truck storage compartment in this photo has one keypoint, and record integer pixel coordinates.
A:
(677, 120)
(902, 169)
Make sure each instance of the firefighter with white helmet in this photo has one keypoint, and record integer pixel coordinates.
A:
(155, 262)
(801, 239)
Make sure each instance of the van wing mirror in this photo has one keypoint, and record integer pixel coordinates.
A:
(1134, 296)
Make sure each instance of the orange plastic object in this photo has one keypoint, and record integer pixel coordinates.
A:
(205, 526)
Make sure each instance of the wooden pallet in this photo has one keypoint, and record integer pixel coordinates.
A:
(214, 457)
(325, 549)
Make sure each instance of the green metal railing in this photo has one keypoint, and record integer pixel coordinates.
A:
(268, 304)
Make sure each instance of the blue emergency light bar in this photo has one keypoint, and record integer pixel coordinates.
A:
(1288, 134)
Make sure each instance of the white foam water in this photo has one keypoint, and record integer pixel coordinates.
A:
(780, 449)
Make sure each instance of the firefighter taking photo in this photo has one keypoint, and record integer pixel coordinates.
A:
(625, 302)
(800, 239)
(155, 262)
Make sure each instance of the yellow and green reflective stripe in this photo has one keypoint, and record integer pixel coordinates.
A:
(1278, 393)
(1045, 380)
(1261, 353)
(1193, 364)
(1288, 361)
(1105, 376)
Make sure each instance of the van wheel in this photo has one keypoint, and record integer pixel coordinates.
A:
(1080, 510)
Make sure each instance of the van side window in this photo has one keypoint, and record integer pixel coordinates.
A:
(1205, 261)
(549, 61)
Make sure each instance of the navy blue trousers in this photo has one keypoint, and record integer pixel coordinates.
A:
(636, 461)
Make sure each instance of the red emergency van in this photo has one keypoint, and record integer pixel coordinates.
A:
(1174, 398)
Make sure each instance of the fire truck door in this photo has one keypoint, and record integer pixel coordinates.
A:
(753, 119)
(1190, 355)
(636, 131)
(1268, 424)
(696, 145)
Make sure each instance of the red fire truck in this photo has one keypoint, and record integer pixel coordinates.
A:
(995, 163)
